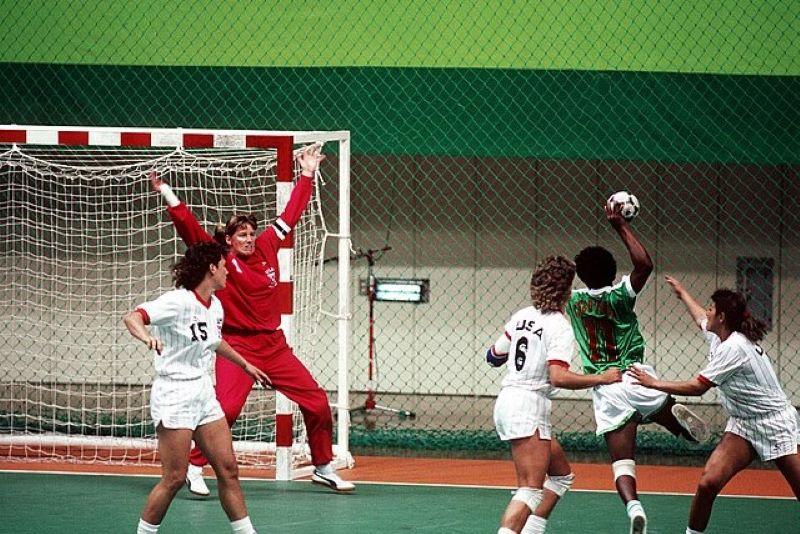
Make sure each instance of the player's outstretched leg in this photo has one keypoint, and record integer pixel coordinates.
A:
(790, 468)
(681, 421)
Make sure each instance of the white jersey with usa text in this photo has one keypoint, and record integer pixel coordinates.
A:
(190, 329)
(740, 369)
(533, 340)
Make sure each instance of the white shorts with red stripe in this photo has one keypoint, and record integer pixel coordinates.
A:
(519, 413)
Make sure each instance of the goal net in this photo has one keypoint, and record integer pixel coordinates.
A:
(86, 240)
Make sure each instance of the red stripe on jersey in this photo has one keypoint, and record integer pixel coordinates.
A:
(705, 381)
(145, 316)
(284, 298)
(135, 139)
(201, 300)
(198, 140)
(559, 363)
(508, 335)
(283, 430)
(13, 136)
(73, 138)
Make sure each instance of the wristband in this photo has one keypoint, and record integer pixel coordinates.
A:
(169, 196)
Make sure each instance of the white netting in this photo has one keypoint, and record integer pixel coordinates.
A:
(85, 241)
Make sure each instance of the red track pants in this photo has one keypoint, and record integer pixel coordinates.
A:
(270, 353)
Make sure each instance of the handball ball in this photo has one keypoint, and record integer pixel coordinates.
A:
(629, 204)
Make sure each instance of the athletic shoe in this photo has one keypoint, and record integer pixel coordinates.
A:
(638, 524)
(332, 480)
(195, 482)
(691, 422)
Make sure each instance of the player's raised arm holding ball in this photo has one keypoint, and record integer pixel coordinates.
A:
(607, 331)
(761, 421)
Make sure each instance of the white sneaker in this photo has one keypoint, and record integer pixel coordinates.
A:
(195, 482)
(332, 480)
(638, 524)
(691, 422)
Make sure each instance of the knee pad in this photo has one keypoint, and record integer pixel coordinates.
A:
(559, 484)
(623, 467)
(530, 496)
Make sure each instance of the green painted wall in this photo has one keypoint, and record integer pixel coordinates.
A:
(722, 36)
(470, 112)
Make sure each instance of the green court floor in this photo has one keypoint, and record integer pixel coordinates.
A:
(45, 503)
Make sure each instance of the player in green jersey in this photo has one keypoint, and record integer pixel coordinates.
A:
(608, 336)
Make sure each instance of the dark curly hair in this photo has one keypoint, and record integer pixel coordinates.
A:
(551, 283)
(235, 222)
(190, 270)
(737, 317)
(596, 267)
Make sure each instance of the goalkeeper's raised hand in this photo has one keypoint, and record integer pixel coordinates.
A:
(309, 159)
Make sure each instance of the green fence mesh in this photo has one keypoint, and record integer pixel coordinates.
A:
(486, 135)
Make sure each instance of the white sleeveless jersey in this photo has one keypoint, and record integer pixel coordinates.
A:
(190, 329)
(532, 340)
(747, 384)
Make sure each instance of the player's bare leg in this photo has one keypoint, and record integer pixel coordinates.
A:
(214, 439)
(173, 449)
(790, 468)
(531, 457)
(558, 482)
(732, 454)
(621, 445)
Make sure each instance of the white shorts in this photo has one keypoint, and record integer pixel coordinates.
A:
(184, 403)
(772, 436)
(614, 404)
(519, 413)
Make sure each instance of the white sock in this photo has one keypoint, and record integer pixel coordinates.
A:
(324, 469)
(634, 508)
(195, 469)
(146, 528)
(242, 526)
(504, 530)
(690, 531)
(535, 525)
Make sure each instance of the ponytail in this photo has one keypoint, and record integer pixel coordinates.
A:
(737, 316)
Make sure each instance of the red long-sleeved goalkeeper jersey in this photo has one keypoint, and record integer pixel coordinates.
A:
(250, 299)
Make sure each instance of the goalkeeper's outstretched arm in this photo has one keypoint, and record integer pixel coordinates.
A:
(185, 223)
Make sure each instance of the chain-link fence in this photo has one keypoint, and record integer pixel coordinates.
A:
(485, 137)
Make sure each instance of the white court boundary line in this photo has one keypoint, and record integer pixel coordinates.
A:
(383, 483)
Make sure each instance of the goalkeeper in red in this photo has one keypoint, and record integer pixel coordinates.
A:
(252, 321)
(608, 336)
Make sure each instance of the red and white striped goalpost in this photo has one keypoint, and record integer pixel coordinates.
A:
(283, 142)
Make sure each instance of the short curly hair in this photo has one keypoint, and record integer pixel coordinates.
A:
(191, 269)
(596, 267)
(551, 283)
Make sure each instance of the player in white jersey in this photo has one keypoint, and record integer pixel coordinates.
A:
(762, 420)
(187, 325)
(538, 344)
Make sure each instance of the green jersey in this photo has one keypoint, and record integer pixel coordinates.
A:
(606, 328)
